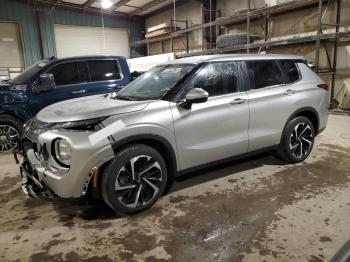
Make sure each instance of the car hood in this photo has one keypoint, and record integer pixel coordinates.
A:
(88, 108)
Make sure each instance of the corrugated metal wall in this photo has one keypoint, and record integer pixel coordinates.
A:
(24, 15)
(11, 11)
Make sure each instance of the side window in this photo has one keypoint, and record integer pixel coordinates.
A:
(69, 73)
(215, 78)
(290, 71)
(102, 70)
(264, 73)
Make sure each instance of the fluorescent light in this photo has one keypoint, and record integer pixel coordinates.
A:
(106, 4)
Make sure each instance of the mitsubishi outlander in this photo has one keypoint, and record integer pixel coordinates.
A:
(180, 116)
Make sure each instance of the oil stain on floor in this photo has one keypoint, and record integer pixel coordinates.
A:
(234, 215)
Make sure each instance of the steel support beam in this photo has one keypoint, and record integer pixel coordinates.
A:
(318, 40)
(335, 51)
(119, 4)
(150, 5)
(248, 26)
(89, 3)
(81, 9)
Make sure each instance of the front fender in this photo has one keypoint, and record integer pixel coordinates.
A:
(19, 111)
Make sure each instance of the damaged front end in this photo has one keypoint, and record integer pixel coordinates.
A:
(30, 180)
(31, 185)
(47, 171)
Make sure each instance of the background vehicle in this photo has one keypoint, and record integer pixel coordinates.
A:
(175, 118)
(54, 80)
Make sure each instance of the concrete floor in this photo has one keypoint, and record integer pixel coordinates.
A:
(257, 209)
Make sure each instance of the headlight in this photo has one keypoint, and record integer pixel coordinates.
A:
(63, 151)
(88, 124)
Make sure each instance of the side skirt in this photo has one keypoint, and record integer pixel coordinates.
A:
(226, 160)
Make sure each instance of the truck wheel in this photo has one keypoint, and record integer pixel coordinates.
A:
(297, 140)
(134, 180)
(10, 132)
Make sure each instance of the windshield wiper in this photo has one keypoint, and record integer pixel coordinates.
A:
(126, 98)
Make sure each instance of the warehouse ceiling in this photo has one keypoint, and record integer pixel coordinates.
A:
(128, 7)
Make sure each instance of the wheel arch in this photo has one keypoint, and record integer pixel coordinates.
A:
(309, 113)
(13, 114)
(158, 142)
(161, 144)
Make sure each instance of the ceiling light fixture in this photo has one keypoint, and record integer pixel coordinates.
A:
(106, 4)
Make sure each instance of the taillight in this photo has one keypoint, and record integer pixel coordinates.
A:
(323, 86)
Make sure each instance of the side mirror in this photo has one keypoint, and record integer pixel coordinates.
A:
(196, 95)
(46, 83)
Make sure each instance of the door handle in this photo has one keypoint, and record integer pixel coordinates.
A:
(237, 101)
(79, 92)
(289, 92)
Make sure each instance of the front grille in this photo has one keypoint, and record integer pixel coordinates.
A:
(34, 128)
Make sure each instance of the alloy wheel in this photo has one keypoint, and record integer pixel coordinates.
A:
(301, 140)
(9, 137)
(138, 181)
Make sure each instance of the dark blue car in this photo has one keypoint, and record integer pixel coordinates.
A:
(51, 81)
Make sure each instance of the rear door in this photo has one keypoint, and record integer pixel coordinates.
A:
(272, 98)
(218, 128)
(105, 76)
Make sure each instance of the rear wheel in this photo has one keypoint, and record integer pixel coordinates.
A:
(10, 132)
(297, 140)
(134, 180)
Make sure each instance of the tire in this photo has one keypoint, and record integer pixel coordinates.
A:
(297, 140)
(138, 194)
(228, 40)
(10, 132)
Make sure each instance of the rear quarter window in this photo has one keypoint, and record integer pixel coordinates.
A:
(290, 70)
(264, 73)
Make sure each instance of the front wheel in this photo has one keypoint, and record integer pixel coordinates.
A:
(134, 180)
(10, 133)
(297, 140)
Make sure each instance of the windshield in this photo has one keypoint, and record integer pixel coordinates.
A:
(27, 74)
(155, 83)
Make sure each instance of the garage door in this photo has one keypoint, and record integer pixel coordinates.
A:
(86, 40)
(11, 54)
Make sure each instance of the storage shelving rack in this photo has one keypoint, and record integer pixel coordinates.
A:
(266, 13)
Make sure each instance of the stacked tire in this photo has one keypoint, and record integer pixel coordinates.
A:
(229, 40)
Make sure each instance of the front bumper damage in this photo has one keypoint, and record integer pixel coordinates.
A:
(43, 177)
(31, 183)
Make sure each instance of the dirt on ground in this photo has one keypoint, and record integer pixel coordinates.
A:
(255, 209)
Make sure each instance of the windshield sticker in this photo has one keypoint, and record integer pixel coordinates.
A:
(228, 73)
(104, 133)
(172, 70)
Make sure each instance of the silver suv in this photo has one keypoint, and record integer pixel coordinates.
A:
(190, 113)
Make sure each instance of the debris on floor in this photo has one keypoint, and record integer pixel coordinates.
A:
(254, 209)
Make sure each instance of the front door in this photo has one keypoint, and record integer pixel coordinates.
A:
(215, 129)
(70, 79)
